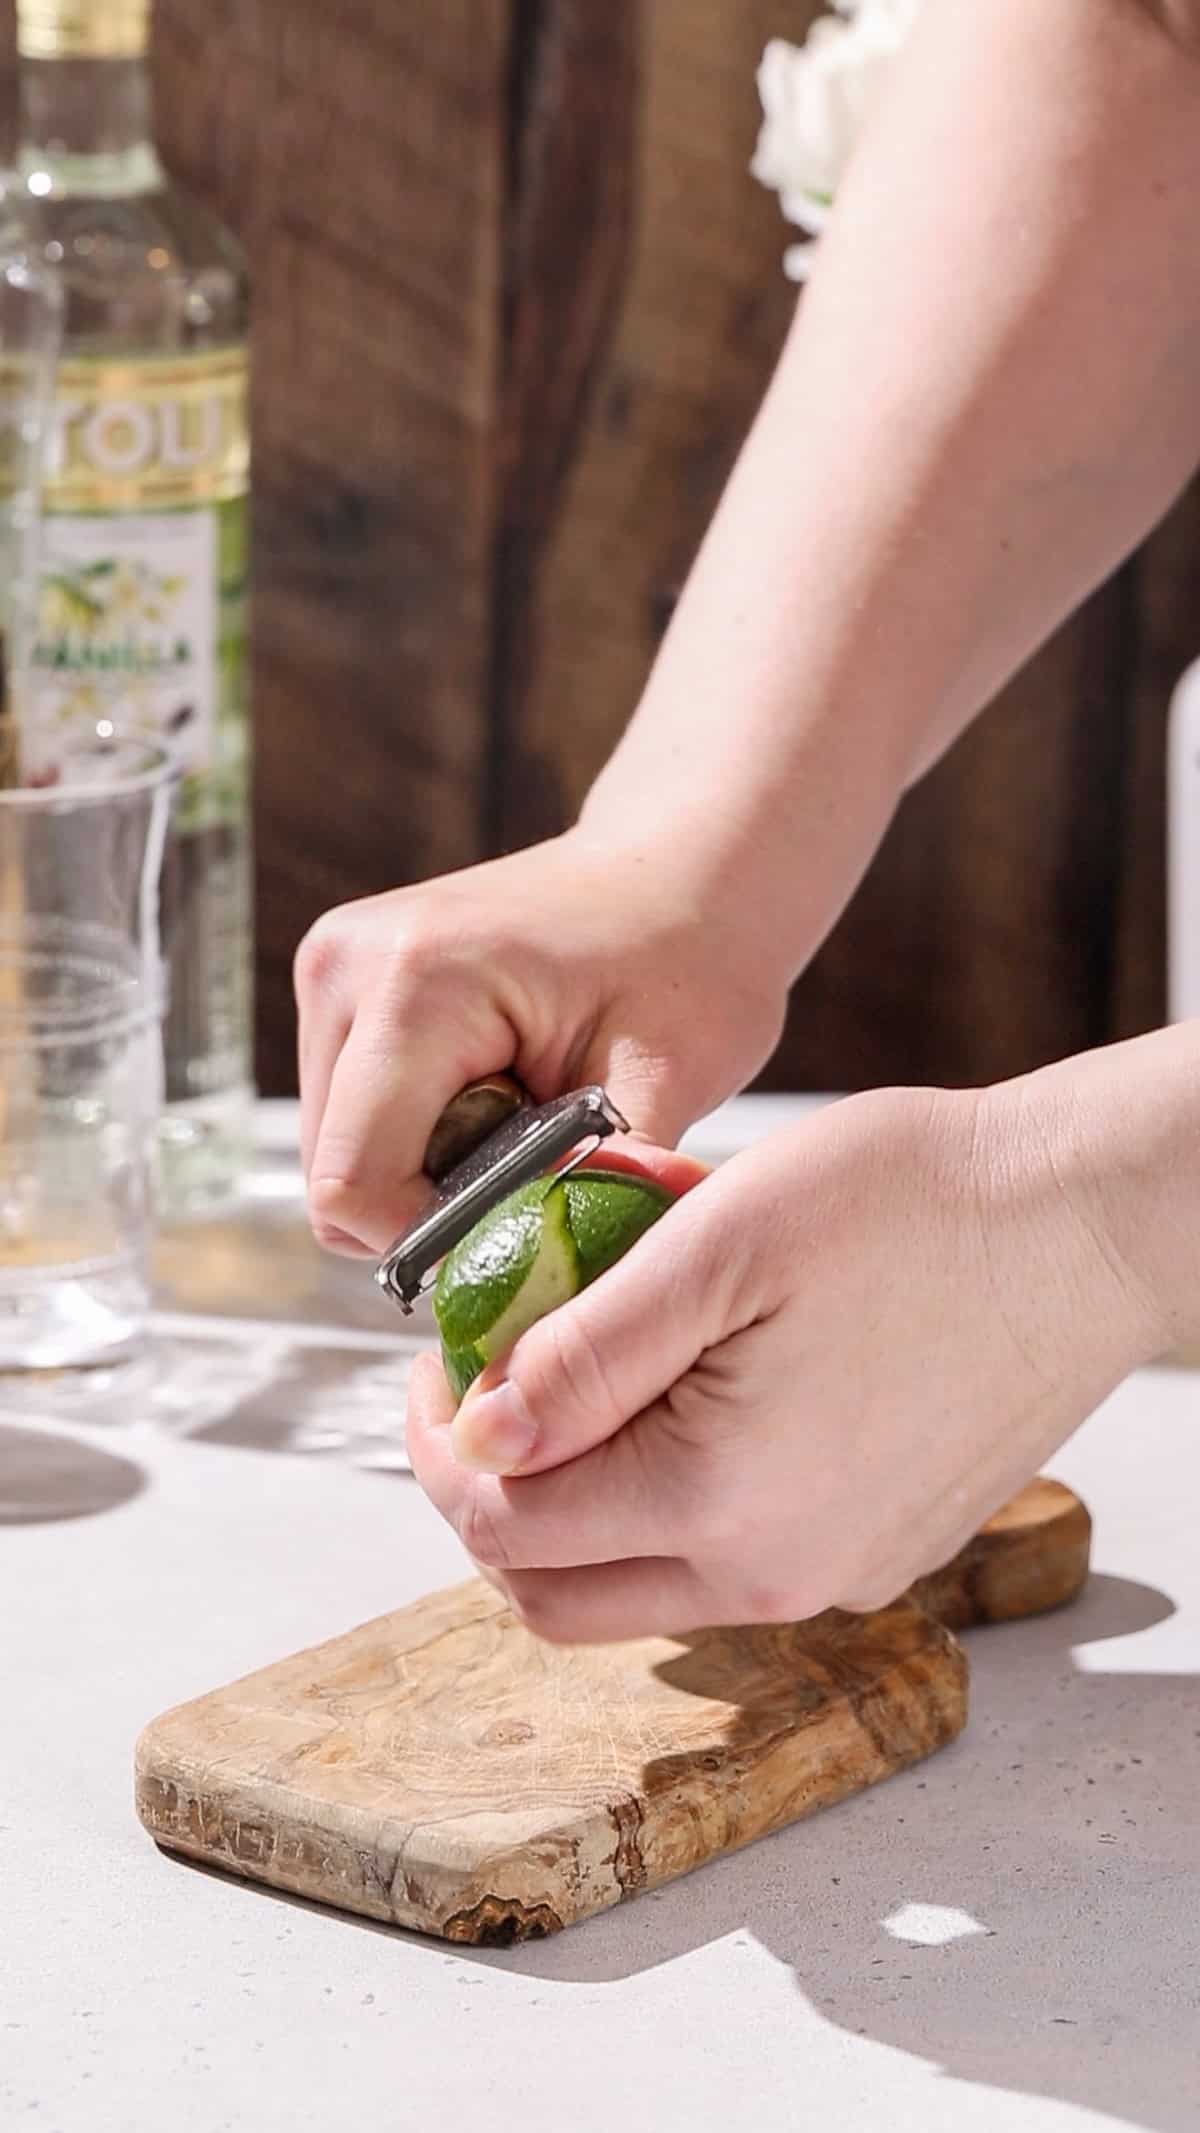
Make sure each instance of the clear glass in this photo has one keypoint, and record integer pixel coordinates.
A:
(81, 1055)
(147, 273)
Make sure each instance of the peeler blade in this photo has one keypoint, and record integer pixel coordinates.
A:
(532, 1139)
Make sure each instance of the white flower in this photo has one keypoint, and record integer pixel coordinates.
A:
(816, 98)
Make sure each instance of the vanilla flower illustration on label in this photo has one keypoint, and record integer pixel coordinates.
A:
(127, 628)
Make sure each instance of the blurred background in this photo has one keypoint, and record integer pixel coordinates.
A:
(515, 297)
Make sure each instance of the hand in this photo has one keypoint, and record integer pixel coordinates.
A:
(570, 963)
(808, 1385)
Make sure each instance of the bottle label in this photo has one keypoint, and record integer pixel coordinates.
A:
(82, 29)
(142, 590)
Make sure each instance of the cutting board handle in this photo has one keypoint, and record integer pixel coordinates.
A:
(1031, 1557)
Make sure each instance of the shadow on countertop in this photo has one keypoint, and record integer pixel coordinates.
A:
(45, 1476)
(1023, 1911)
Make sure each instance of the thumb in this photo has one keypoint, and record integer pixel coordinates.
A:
(581, 1373)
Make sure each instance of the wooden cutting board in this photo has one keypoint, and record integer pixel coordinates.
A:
(442, 1769)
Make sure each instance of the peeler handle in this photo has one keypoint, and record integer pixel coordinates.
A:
(468, 1119)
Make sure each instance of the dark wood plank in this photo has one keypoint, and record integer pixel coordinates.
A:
(603, 536)
(359, 153)
(981, 943)
(572, 121)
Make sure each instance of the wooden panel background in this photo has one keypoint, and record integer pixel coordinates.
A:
(516, 297)
(360, 154)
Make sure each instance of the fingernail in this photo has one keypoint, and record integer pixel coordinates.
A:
(494, 1430)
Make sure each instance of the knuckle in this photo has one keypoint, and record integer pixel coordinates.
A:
(480, 1532)
(320, 956)
(415, 956)
(559, 1629)
(766, 1600)
(495, 1578)
(541, 1609)
(863, 1582)
(331, 1204)
(870, 1595)
(778, 1600)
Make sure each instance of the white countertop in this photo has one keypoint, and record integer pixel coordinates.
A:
(1006, 1937)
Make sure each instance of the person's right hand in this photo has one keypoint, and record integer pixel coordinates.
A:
(570, 963)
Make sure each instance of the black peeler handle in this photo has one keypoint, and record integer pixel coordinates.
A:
(468, 1119)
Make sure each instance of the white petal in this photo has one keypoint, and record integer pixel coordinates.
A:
(798, 261)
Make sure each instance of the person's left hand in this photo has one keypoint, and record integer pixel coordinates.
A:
(806, 1386)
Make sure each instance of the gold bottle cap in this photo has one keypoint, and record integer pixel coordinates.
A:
(82, 29)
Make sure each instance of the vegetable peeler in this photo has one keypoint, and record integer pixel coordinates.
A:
(490, 1139)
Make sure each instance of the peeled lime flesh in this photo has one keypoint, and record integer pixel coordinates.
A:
(480, 1278)
(537, 1249)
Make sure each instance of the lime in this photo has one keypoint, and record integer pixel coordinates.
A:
(536, 1250)
(479, 1279)
(607, 1211)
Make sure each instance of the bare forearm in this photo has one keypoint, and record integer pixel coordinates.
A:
(991, 392)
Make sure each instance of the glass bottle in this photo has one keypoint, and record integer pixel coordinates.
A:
(143, 588)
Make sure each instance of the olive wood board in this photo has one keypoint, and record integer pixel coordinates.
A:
(444, 1770)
